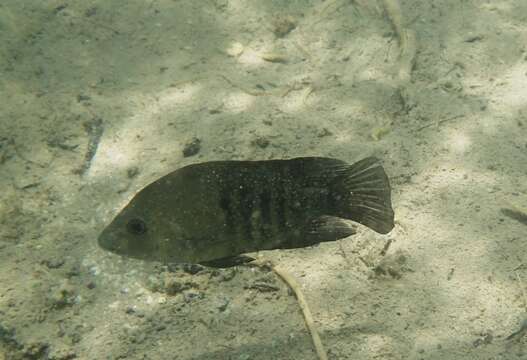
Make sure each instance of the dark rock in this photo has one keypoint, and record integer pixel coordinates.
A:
(36, 350)
(90, 11)
(83, 97)
(62, 353)
(73, 271)
(222, 304)
(75, 338)
(132, 172)
(324, 132)
(192, 148)
(172, 286)
(223, 274)
(192, 269)
(193, 295)
(138, 338)
(130, 310)
(261, 142)
(59, 8)
(7, 336)
(484, 339)
(53, 263)
(283, 25)
(62, 295)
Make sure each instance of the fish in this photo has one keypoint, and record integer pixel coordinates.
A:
(214, 213)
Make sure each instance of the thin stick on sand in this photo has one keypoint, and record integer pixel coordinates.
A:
(515, 212)
(523, 326)
(308, 318)
(522, 289)
(407, 40)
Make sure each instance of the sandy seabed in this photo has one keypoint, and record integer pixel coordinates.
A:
(101, 97)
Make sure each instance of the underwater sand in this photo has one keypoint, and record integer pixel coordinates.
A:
(101, 97)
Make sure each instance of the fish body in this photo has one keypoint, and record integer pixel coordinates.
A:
(206, 212)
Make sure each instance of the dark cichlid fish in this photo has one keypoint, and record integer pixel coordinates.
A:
(210, 213)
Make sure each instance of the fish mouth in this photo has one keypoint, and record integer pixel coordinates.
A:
(107, 241)
(116, 243)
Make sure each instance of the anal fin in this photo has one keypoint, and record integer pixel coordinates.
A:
(329, 228)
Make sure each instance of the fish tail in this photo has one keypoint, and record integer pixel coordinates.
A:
(361, 192)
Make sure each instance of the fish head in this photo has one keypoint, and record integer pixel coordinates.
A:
(145, 229)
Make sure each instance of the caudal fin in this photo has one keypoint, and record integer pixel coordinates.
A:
(362, 193)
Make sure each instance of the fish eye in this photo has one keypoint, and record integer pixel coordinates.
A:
(136, 226)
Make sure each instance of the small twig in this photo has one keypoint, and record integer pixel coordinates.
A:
(386, 247)
(342, 251)
(308, 318)
(522, 288)
(94, 128)
(365, 262)
(291, 282)
(407, 40)
(324, 13)
(248, 91)
(184, 82)
(439, 122)
(308, 91)
(515, 212)
(523, 326)
(303, 50)
(520, 332)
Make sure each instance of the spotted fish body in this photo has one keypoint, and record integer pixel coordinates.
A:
(218, 210)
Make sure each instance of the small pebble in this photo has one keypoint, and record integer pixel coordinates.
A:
(132, 172)
(192, 148)
(172, 286)
(91, 11)
(324, 132)
(226, 274)
(61, 353)
(283, 25)
(192, 269)
(83, 97)
(130, 310)
(73, 271)
(193, 295)
(62, 295)
(222, 304)
(53, 263)
(261, 142)
(36, 350)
